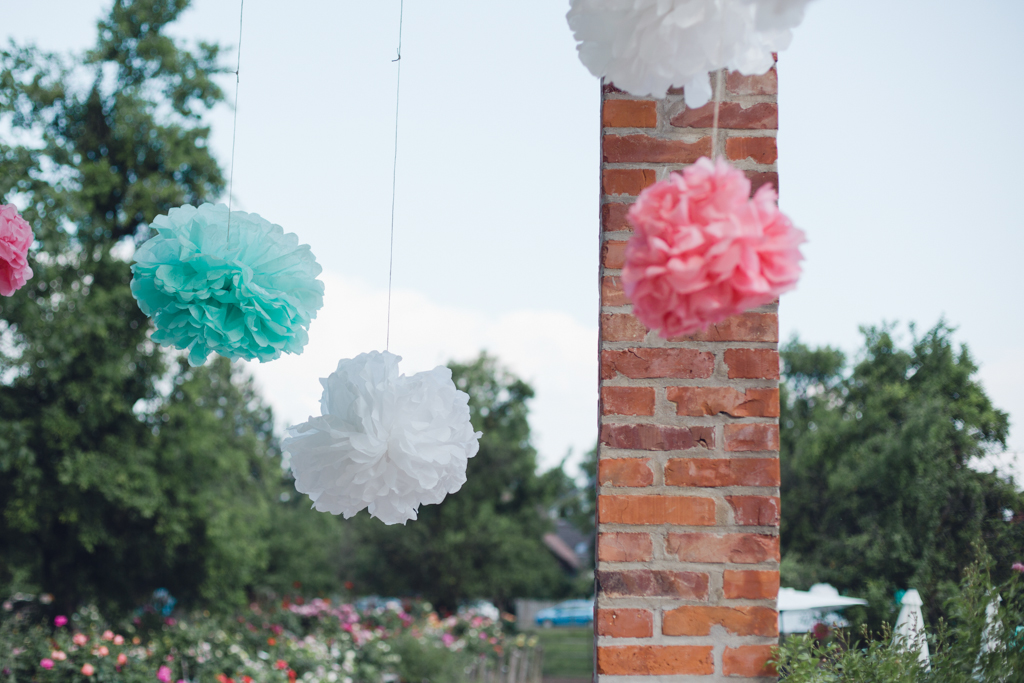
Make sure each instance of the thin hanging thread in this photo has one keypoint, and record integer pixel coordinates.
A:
(714, 125)
(394, 171)
(234, 123)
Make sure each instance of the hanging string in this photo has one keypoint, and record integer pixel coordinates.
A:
(718, 101)
(394, 171)
(234, 123)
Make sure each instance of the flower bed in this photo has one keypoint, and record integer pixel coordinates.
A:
(284, 642)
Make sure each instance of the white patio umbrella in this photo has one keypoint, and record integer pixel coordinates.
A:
(799, 611)
(910, 625)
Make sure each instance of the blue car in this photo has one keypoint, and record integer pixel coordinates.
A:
(568, 613)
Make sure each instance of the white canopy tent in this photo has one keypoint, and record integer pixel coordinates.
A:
(799, 611)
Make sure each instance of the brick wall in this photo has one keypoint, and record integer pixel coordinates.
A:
(688, 475)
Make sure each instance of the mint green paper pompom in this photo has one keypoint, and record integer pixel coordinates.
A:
(250, 294)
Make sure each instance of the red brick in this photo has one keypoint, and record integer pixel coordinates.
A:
(748, 660)
(653, 583)
(733, 548)
(752, 363)
(748, 327)
(645, 149)
(629, 181)
(759, 178)
(756, 437)
(627, 401)
(629, 114)
(613, 254)
(625, 623)
(611, 292)
(763, 84)
(701, 401)
(697, 620)
(655, 660)
(645, 363)
(660, 509)
(624, 472)
(613, 217)
(731, 115)
(712, 473)
(758, 150)
(750, 584)
(657, 437)
(621, 327)
(754, 510)
(624, 547)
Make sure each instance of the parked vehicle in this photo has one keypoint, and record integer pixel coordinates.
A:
(568, 613)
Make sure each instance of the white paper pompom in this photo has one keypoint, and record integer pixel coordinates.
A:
(648, 46)
(385, 442)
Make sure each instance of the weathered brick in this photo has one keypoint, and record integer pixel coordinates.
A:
(653, 583)
(747, 327)
(629, 114)
(613, 254)
(760, 150)
(748, 660)
(627, 401)
(611, 292)
(752, 363)
(733, 548)
(621, 327)
(759, 178)
(762, 84)
(697, 620)
(750, 584)
(625, 623)
(625, 472)
(657, 437)
(715, 472)
(731, 115)
(700, 401)
(613, 217)
(655, 660)
(644, 363)
(628, 181)
(660, 509)
(644, 149)
(754, 510)
(624, 547)
(751, 437)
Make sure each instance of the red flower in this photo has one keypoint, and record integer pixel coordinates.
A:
(271, 641)
(349, 585)
(291, 676)
(281, 664)
(246, 679)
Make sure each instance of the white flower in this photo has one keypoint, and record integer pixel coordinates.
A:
(648, 46)
(385, 442)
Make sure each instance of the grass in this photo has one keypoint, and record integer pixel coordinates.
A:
(568, 652)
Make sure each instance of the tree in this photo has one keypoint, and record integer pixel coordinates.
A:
(109, 486)
(877, 489)
(485, 540)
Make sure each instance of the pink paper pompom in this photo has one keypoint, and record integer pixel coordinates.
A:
(703, 250)
(15, 239)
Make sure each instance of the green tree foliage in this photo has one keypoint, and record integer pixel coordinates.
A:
(877, 489)
(485, 540)
(109, 485)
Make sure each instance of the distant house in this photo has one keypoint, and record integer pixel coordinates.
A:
(570, 546)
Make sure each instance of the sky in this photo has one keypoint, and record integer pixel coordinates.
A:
(898, 152)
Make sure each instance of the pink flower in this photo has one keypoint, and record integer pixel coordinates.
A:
(163, 674)
(119, 640)
(107, 635)
(102, 651)
(79, 639)
(46, 663)
(60, 620)
(447, 639)
(122, 659)
(88, 670)
(703, 251)
(1018, 567)
(15, 239)
(58, 655)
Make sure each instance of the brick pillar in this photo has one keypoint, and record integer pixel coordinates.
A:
(688, 498)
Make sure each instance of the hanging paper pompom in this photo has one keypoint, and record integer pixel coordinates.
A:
(249, 293)
(648, 46)
(15, 239)
(385, 442)
(703, 251)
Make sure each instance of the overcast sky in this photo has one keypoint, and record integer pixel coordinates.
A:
(898, 156)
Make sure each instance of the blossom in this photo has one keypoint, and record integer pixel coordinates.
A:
(15, 239)
(107, 635)
(88, 669)
(102, 651)
(79, 639)
(248, 292)
(46, 663)
(163, 674)
(280, 664)
(118, 640)
(58, 655)
(1017, 567)
(385, 442)
(702, 251)
(122, 659)
(60, 620)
